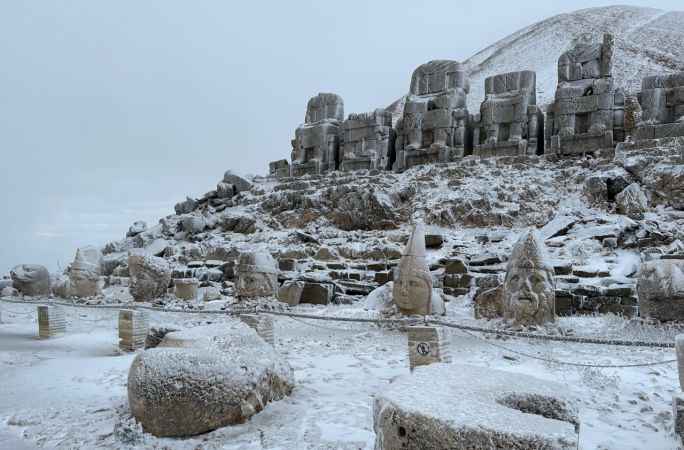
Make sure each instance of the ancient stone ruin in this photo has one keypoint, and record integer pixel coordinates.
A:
(257, 275)
(588, 113)
(315, 148)
(367, 141)
(509, 123)
(433, 126)
(662, 107)
(412, 291)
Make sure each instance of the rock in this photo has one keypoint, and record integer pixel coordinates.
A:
(186, 288)
(239, 183)
(257, 275)
(31, 279)
(495, 410)
(113, 260)
(9, 291)
(155, 336)
(317, 293)
(669, 184)
(193, 224)
(85, 271)
(325, 253)
(558, 226)
(455, 266)
(291, 292)
(489, 303)
(225, 190)
(362, 210)
(186, 207)
(661, 289)
(380, 299)
(238, 223)
(412, 291)
(528, 290)
(596, 189)
(287, 264)
(205, 378)
(137, 228)
(157, 247)
(433, 240)
(150, 275)
(632, 202)
(210, 293)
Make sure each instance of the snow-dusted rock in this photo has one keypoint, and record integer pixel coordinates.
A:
(354, 209)
(380, 299)
(257, 275)
(185, 207)
(455, 406)
(291, 292)
(31, 279)
(205, 378)
(186, 288)
(150, 275)
(661, 289)
(632, 202)
(238, 223)
(9, 291)
(157, 247)
(137, 228)
(225, 190)
(325, 253)
(85, 271)
(239, 183)
(193, 224)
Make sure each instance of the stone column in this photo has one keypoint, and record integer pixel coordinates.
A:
(263, 325)
(186, 288)
(426, 345)
(133, 328)
(51, 321)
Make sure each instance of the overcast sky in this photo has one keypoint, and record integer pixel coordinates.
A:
(113, 111)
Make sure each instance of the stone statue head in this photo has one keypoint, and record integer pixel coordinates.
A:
(412, 290)
(529, 288)
(257, 275)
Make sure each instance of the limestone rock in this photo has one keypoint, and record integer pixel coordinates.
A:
(632, 202)
(489, 303)
(529, 286)
(150, 275)
(362, 210)
(205, 378)
(193, 224)
(225, 190)
(317, 293)
(412, 290)
(186, 207)
(186, 288)
(137, 228)
(257, 275)
(325, 253)
(291, 292)
(31, 279)
(494, 410)
(9, 291)
(661, 289)
(238, 223)
(85, 271)
(239, 183)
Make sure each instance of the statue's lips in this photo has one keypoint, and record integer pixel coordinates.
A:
(525, 300)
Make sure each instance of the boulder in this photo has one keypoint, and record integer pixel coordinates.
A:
(185, 207)
(205, 378)
(9, 291)
(84, 273)
(31, 279)
(632, 202)
(326, 253)
(353, 209)
(317, 293)
(291, 292)
(193, 224)
(257, 275)
(137, 228)
(157, 247)
(489, 303)
(433, 240)
(239, 183)
(111, 261)
(380, 299)
(661, 289)
(463, 407)
(150, 275)
(225, 190)
(669, 184)
(238, 223)
(455, 266)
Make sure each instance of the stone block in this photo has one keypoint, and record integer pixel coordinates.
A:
(427, 345)
(133, 329)
(51, 321)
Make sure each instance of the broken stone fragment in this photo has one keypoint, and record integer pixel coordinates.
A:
(31, 279)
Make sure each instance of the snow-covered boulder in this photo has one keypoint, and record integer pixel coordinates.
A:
(661, 289)
(193, 224)
(291, 292)
(137, 228)
(239, 183)
(380, 299)
(632, 202)
(31, 279)
(238, 223)
(457, 406)
(186, 206)
(150, 275)
(205, 378)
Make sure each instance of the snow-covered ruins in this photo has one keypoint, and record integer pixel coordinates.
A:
(482, 265)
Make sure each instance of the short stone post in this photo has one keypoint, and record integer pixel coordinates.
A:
(51, 321)
(678, 398)
(262, 324)
(186, 288)
(133, 328)
(426, 345)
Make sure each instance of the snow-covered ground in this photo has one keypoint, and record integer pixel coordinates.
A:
(70, 392)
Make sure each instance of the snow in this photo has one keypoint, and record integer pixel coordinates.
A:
(77, 383)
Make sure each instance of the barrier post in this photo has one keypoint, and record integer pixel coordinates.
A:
(133, 328)
(426, 345)
(51, 321)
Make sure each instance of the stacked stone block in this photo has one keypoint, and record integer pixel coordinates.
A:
(133, 328)
(433, 125)
(367, 141)
(51, 321)
(315, 148)
(588, 112)
(662, 107)
(427, 345)
(279, 169)
(509, 123)
(263, 325)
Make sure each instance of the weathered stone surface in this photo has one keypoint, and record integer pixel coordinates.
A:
(455, 266)
(137, 228)
(433, 125)
(529, 286)
(51, 321)
(509, 123)
(661, 289)
(427, 345)
(433, 240)
(193, 224)
(317, 293)
(205, 378)
(239, 183)
(185, 207)
(367, 141)
(291, 292)
(150, 275)
(632, 202)
(225, 190)
(238, 223)
(325, 253)
(662, 107)
(495, 410)
(186, 288)
(362, 210)
(679, 348)
(85, 271)
(488, 303)
(412, 292)
(279, 169)
(133, 329)
(31, 279)
(257, 275)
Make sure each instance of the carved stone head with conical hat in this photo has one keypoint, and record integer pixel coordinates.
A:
(529, 292)
(412, 291)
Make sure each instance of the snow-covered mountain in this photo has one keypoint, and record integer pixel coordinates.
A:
(648, 41)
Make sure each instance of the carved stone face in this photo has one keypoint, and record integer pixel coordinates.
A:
(412, 293)
(529, 295)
